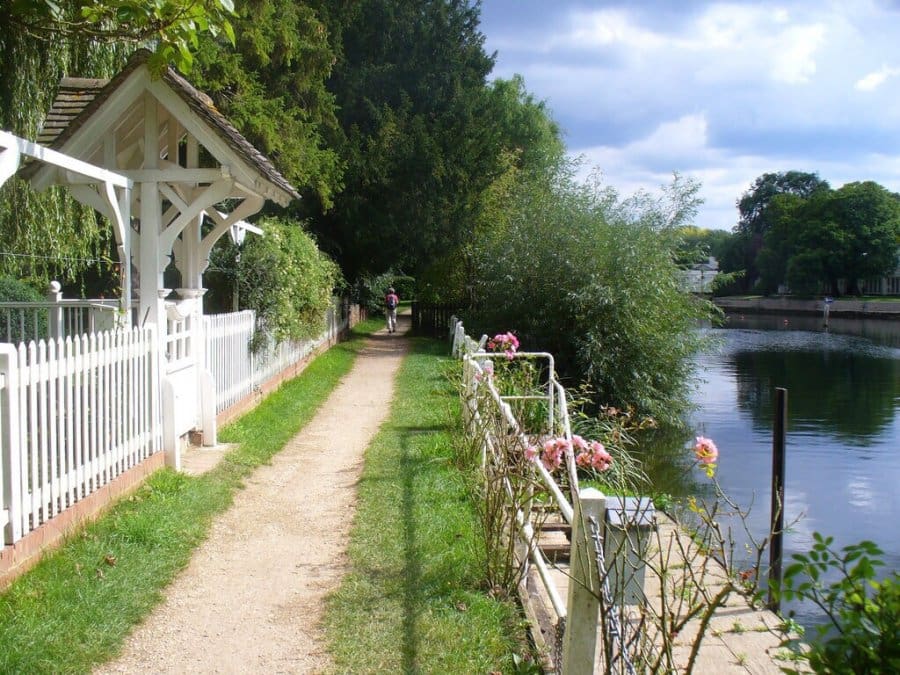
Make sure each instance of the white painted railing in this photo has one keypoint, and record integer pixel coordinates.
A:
(56, 317)
(44, 320)
(574, 650)
(74, 415)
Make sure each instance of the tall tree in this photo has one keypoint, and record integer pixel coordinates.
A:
(410, 88)
(869, 214)
(527, 146)
(755, 219)
(271, 85)
(850, 234)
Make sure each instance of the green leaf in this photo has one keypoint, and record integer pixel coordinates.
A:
(229, 31)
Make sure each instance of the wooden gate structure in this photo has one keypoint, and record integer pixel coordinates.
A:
(185, 161)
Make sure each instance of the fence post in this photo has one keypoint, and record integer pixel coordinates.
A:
(583, 608)
(10, 451)
(57, 325)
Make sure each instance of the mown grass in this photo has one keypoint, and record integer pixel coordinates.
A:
(412, 600)
(75, 608)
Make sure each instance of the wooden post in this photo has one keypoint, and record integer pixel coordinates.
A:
(583, 607)
(779, 427)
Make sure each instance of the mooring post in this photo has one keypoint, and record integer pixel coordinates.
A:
(779, 428)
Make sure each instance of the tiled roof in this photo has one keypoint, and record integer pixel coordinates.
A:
(79, 98)
(74, 95)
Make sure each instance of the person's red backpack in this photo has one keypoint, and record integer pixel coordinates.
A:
(391, 300)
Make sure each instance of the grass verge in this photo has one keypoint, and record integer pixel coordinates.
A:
(413, 600)
(75, 608)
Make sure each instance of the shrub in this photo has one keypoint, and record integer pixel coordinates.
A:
(287, 280)
(14, 290)
(863, 633)
(591, 278)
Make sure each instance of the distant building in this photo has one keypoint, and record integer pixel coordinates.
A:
(699, 277)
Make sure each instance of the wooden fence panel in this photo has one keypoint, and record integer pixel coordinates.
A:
(433, 319)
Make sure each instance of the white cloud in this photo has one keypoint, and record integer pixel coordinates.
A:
(875, 79)
(606, 27)
(671, 146)
(676, 140)
(794, 53)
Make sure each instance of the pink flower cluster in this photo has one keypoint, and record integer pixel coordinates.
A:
(706, 453)
(589, 454)
(504, 342)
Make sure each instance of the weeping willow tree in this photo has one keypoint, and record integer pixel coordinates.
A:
(51, 235)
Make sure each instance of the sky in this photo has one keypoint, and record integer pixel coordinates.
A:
(719, 92)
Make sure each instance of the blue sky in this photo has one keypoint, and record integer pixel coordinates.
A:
(721, 92)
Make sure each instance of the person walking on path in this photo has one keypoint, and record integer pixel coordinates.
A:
(251, 598)
(391, 300)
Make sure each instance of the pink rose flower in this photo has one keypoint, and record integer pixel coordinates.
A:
(705, 450)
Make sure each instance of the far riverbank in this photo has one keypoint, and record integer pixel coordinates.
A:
(847, 308)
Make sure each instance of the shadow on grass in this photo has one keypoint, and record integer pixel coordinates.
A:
(412, 566)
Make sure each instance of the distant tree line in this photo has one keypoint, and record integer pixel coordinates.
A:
(796, 231)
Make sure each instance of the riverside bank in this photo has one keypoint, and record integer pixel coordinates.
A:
(845, 308)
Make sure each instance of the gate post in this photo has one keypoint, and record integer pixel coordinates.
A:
(56, 324)
(583, 607)
(10, 449)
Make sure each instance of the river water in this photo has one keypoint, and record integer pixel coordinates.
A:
(843, 432)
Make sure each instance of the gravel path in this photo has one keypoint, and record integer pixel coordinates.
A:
(250, 601)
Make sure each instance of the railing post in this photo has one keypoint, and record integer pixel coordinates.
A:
(57, 324)
(583, 613)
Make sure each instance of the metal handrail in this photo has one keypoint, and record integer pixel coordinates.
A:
(474, 356)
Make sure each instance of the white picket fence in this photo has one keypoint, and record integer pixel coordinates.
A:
(237, 370)
(228, 355)
(74, 415)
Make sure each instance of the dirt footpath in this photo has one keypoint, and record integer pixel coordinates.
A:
(251, 599)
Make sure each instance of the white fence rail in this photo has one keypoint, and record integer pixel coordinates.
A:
(74, 415)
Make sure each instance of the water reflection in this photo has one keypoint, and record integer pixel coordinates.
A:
(843, 434)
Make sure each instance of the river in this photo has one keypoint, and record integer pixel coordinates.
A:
(843, 432)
